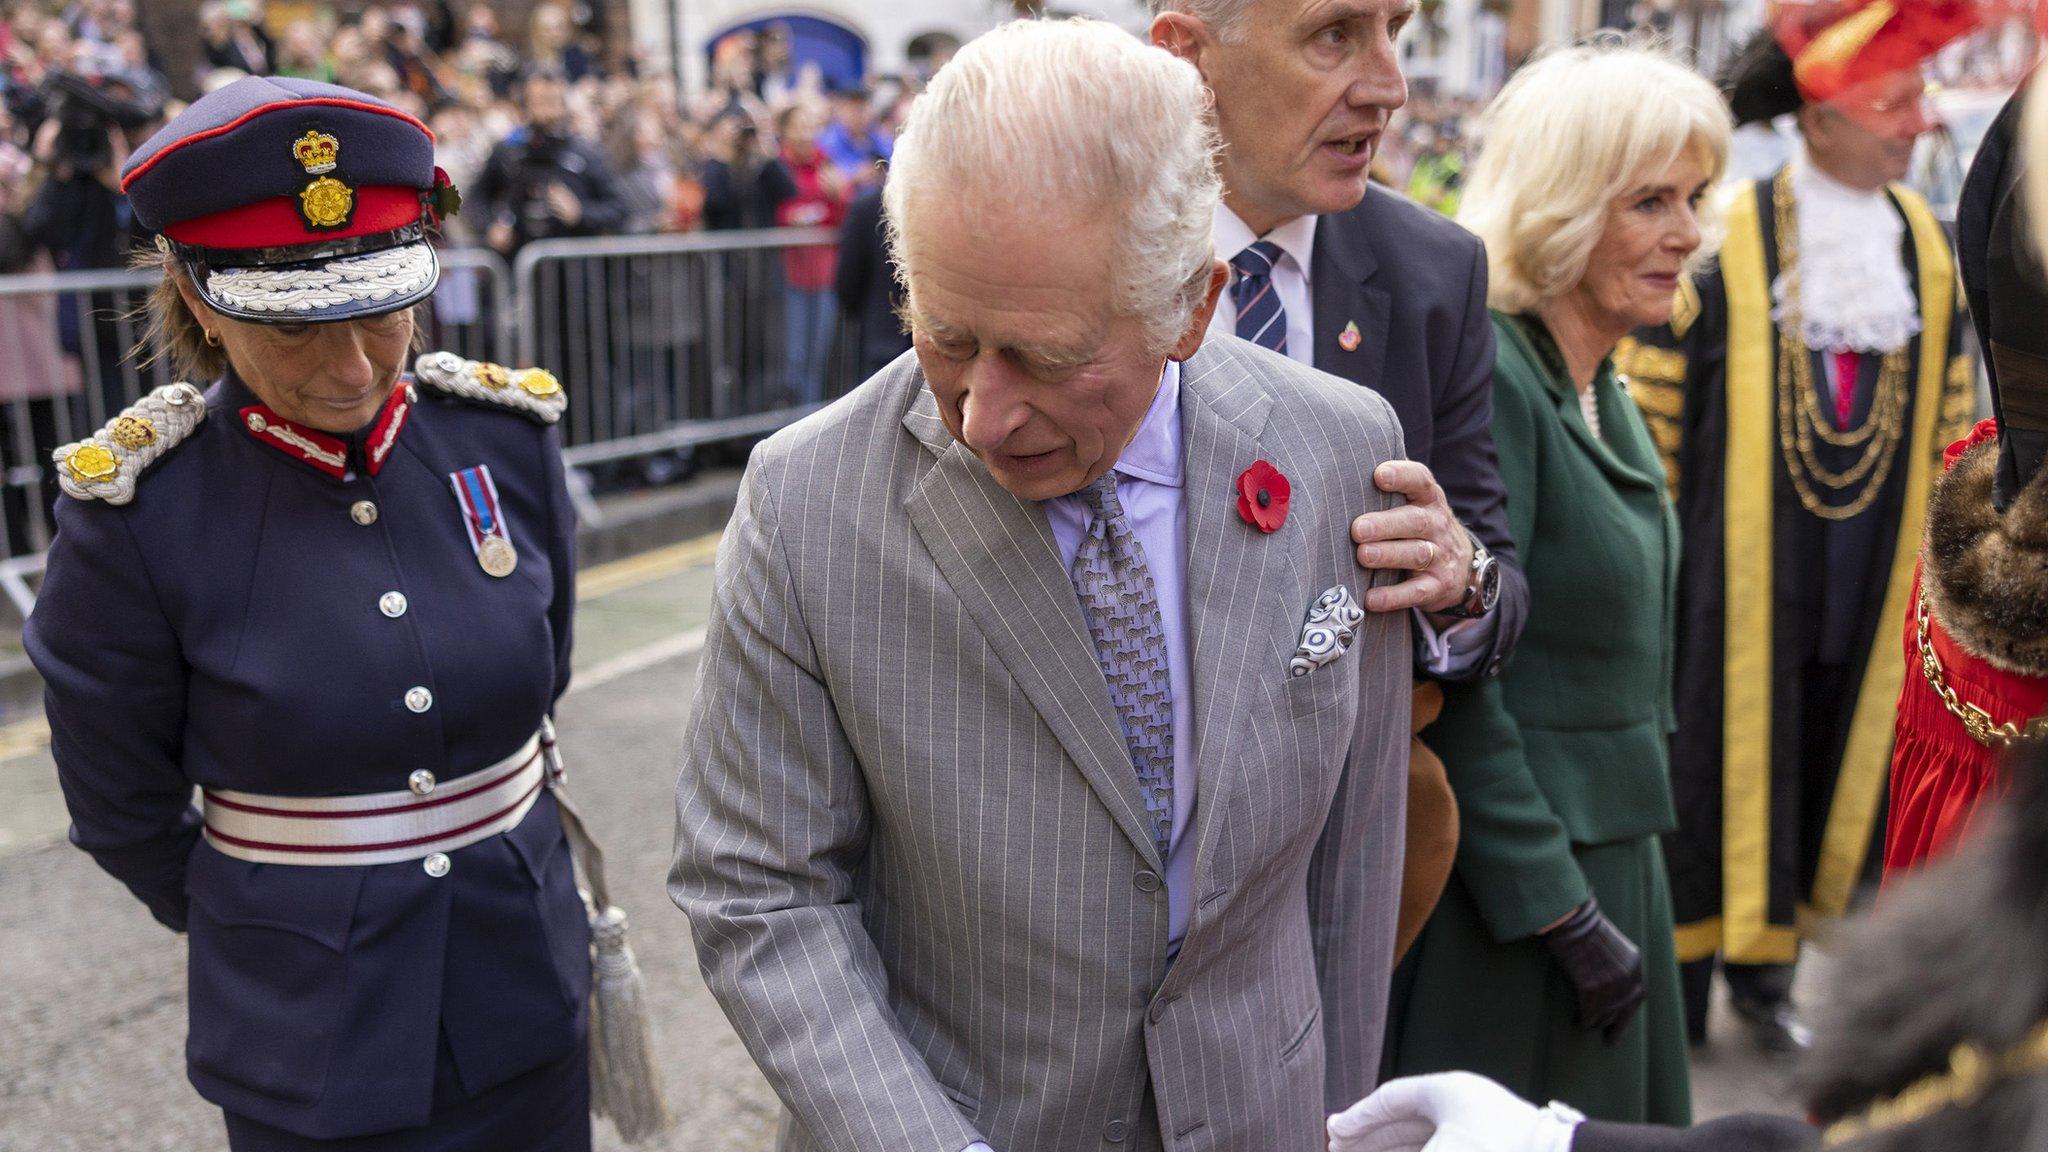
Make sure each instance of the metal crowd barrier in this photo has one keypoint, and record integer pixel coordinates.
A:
(665, 344)
(669, 342)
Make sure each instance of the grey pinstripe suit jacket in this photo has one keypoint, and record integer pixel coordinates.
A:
(909, 838)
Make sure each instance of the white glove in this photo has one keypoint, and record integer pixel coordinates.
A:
(1450, 1112)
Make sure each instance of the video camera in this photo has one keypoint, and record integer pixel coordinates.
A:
(86, 105)
(543, 161)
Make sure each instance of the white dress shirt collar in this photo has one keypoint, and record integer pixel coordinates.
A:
(1296, 238)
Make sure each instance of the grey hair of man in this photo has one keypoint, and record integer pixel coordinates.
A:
(1073, 119)
(1226, 18)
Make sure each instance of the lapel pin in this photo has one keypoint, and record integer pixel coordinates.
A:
(1349, 338)
(1262, 495)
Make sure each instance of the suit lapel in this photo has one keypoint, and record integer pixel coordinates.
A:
(1237, 576)
(1341, 293)
(1616, 455)
(998, 555)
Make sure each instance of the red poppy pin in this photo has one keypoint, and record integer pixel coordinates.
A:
(1262, 492)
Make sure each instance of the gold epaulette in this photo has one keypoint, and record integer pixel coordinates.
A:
(106, 465)
(532, 391)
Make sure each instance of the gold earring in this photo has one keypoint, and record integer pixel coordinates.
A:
(212, 341)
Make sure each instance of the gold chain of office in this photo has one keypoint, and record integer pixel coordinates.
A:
(1976, 721)
(1972, 1071)
(1800, 418)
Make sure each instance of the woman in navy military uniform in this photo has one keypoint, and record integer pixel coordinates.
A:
(336, 599)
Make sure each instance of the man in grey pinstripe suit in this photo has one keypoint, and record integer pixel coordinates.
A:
(1019, 809)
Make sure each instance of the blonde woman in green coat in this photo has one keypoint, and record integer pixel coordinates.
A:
(1549, 964)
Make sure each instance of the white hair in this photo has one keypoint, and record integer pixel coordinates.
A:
(1080, 116)
(1569, 133)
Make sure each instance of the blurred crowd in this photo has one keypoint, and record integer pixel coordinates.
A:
(1426, 153)
(549, 129)
(551, 134)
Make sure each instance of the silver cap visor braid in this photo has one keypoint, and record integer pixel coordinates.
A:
(391, 274)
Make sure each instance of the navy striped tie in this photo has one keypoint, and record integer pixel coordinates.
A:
(1260, 318)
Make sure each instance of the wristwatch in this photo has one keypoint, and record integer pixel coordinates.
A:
(1482, 586)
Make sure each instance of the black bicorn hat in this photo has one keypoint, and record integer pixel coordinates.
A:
(1759, 83)
(2006, 282)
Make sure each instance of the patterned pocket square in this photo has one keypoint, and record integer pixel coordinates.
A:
(1332, 620)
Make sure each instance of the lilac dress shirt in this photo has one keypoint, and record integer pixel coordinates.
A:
(1148, 484)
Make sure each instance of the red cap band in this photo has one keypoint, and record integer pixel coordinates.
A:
(277, 222)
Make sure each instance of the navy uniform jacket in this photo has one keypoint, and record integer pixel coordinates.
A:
(1746, 1132)
(224, 630)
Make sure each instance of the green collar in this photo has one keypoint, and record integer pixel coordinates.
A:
(1543, 348)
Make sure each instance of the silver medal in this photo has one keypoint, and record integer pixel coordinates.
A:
(497, 556)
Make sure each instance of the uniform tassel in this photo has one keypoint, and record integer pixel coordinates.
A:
(623, 1083)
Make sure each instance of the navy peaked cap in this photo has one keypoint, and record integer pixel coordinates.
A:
(234, 147)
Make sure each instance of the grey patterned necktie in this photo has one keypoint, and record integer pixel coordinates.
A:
(1116, 593)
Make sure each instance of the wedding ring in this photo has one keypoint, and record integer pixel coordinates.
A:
(1430, 560)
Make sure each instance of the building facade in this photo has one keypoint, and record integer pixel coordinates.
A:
(879, 37)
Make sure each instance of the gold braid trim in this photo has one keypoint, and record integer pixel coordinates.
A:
(1685, 308)
(1958, 401)
(1654, 378)
(1648, 363)
(1748, 935)
(1971, 1073)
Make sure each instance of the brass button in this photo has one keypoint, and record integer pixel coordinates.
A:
(421, 782)
(392, 604)
(419, 699)
(363, 512)
(436, 865)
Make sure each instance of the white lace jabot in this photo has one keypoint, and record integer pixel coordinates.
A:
(1851, 290)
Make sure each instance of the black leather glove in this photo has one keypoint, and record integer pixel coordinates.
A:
(1604, 967)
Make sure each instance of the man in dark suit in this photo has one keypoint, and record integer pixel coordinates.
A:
(1376, 289)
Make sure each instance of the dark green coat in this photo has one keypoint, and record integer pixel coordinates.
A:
(1560, 766)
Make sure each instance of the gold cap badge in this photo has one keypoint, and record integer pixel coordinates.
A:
(317, 152)
(493, 375)
(327, 203)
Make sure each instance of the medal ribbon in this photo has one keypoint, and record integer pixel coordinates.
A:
(478, 495)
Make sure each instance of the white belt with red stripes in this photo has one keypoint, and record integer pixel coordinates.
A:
(379, 828)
